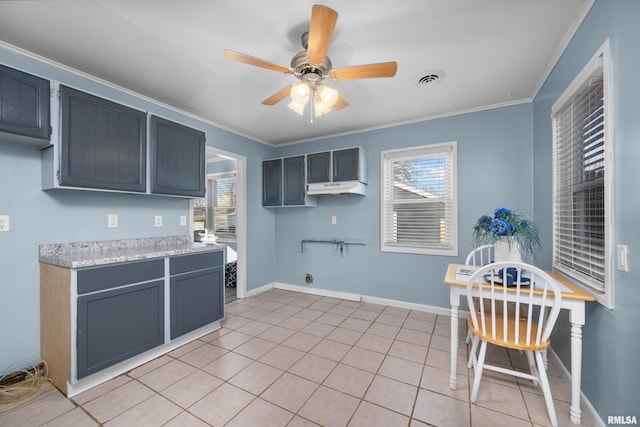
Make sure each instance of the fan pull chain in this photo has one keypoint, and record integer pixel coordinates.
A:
(311, 98)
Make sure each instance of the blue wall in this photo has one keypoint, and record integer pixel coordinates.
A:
(495, 168)
(504, 159)
(611, 377)
(58, 216)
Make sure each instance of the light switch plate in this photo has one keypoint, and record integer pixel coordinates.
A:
(4, 223)
(623, 257)
(183, 220)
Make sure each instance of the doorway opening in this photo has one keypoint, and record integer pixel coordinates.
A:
(221, 215)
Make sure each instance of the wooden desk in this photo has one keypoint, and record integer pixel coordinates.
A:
(573, 300)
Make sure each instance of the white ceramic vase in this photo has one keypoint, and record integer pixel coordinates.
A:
(505, 251)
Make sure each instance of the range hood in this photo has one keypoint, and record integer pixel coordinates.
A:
(336, 188)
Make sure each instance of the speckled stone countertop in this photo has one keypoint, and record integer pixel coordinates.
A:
(89, 254)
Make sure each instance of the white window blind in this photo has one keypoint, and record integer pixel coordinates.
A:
(419, 213)
(581, 202)
(221, 206)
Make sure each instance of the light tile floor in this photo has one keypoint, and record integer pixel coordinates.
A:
(284, 358)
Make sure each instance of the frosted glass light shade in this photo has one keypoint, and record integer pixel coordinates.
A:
(328, 95)
(298, 108)
(319, 107)
(300, 93)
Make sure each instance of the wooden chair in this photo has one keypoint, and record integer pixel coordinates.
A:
(526, 327)
(482, 255)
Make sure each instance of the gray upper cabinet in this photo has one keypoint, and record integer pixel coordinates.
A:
(24, 108)
(294, 184)
(319, 167)
(272, 182)
(283, 183)
(103, 144)
(177, 159)
(346, 165)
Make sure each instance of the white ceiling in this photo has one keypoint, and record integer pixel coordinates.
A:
(489, 52)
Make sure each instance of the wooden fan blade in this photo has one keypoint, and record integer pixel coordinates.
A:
(278, 96)
(323, 22)
(257, 62)
(340, 104)
(369, 71)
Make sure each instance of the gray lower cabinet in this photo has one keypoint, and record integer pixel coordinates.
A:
(197, 291)
(177, 155)
(103, 144)
(116, 325)
(117, 318)
(24, 108)
(96, 317)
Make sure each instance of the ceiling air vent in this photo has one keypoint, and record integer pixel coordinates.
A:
(428, 78)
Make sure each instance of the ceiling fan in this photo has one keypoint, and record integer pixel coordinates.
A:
(312, 66)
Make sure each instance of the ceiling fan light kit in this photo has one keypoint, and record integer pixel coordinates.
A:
(312, 66)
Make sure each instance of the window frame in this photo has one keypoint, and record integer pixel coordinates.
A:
(211, 206)
(599, 64)
(431, 150)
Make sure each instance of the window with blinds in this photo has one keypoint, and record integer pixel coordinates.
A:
(581, 200)
(419, 209)
(221, 205)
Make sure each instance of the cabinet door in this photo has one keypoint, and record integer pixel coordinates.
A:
(24, 105)
(294, 182)
(197, 299)
(272, 182)
(118, 324)
(319, 167)
(104, 144)
(177, 159)
(346, 165)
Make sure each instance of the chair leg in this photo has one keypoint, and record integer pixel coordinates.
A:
(472, 354)
(469, 336)
(478, 370)
(546, 389)
(532, 366)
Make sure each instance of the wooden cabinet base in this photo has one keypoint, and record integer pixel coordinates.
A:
(55, 323)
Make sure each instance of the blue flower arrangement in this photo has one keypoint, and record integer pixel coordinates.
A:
(510, 225)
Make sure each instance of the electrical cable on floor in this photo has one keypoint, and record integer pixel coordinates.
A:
(23, 383)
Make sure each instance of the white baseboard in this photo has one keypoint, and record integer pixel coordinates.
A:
(355, 297)
(408, 305)
(587, 408)
(317, 291)
(256, 291)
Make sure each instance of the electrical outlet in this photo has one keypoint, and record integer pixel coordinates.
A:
(4, 223)
(112, 221)
(158, 221)
(183, 220)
